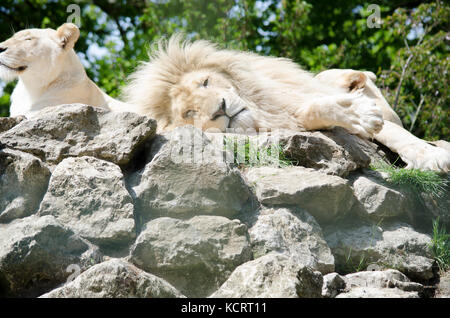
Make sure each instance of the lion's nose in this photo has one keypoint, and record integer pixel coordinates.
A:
(221, 111)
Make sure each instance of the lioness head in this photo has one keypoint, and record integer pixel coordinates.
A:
(36, 51)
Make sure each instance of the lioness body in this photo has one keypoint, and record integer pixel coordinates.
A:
(196, 83)
(49, 71)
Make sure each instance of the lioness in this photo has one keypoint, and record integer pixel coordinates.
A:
(49, 71)
(196, 83)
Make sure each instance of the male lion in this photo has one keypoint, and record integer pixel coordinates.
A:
(49, 71)
(186, 83)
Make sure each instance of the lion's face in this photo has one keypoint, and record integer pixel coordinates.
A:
(35, 51)
(209, 100)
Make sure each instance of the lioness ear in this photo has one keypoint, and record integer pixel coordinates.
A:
(68, 34)
(356, 80)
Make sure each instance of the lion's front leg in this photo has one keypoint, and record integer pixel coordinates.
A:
(353, 111)
(415, 152)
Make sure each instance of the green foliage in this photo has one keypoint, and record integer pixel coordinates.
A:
(353, 266)
(440, 246)
(416, 84)
(426, 181)
(316, 34)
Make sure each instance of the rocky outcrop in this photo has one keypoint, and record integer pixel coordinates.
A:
(333, 152)
(35, 254)
(94, 204)
(23, 182)
(115, 278)
(396, 245)
(195, 256)
(294, 233)
(273, 275)
(184, 179)
(79, 130)
(380, 284)
(325, 197)
(88, 195)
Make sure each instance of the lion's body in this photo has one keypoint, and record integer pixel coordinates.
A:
(218, 90)
(274, 90)
(49, 71)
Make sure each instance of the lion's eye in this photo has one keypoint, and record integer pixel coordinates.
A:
(189, 113)
(205, 83)
(28, 39)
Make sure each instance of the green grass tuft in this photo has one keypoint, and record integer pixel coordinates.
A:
(271, 155)
(426, 181)
(440, 246)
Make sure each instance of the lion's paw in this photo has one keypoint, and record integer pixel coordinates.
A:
(426, 157)
(361, 115)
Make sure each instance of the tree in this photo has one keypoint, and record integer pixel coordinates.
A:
(315, 34)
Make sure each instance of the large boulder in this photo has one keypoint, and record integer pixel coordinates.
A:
(23, 182)
(325, 197)
(115, 278)
(76, 130)
(88, 195)
(272, 276)
(294, 233)
(196, 256)
(35, 255)
(394, 245)
(188, 177)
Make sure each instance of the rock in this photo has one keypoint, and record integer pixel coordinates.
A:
(295, 234)
(115, 278)
(382, 279)
(309, 283)
(443, 288)
(334, 152)
(379, 201)
(438, 207)
(325, 197)
(271, 276)
(23, 182)
(370, 292)
(35, 253)
(78, 130)
(182, 180)
(380, 284)
(395, 245)
(333, 284)
(6, 123)
(88, 195)
(196, 256)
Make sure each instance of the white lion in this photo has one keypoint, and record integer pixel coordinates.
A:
(49, 71)
(186, 83)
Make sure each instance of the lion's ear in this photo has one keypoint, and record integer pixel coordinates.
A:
(68, 34)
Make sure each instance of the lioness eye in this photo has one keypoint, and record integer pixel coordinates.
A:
(28, 39)
(205, 83)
